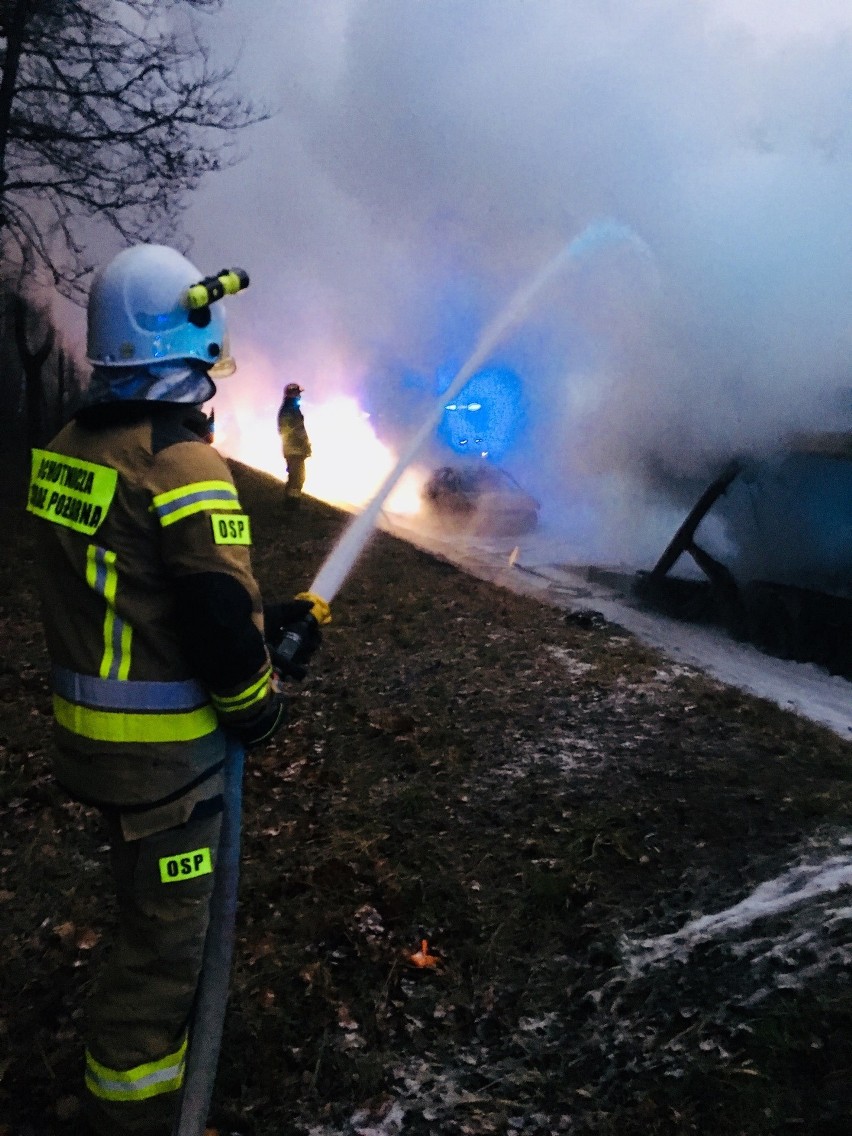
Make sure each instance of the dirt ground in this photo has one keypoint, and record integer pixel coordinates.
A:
(537, 795)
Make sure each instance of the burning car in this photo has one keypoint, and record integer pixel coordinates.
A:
(479, 499)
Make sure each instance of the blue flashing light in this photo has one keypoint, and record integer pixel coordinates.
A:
(486, 416)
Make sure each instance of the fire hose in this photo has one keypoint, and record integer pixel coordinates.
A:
(212, 995)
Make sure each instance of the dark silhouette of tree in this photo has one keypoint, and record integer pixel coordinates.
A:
(109, 109)
(41, 379)
(33, 360)
(68, 390)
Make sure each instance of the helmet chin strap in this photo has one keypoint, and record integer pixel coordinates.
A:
(155, 382)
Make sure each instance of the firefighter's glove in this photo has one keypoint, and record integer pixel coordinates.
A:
(283, 622)
(278, 617)
(268, 721)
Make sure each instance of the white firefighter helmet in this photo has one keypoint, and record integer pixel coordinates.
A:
(138, 311)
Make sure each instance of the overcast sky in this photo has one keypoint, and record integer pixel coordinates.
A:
(428, 157)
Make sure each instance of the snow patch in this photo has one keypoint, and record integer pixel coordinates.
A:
(796, 888)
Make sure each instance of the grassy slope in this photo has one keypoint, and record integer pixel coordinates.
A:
(527, 791)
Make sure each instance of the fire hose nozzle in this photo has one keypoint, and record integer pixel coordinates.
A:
(320, 608)
(284, 653)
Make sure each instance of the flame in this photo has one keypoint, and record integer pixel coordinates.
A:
(348, 464)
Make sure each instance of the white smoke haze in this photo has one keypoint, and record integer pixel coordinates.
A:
(428, 159)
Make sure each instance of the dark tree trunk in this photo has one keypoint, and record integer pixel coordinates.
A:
(33, 365)
(63, 370)
(9, 84)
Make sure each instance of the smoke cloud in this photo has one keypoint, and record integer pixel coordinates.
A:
(427, 159)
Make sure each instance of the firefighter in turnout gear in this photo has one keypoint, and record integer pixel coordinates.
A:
(157, 640)
(295, 444)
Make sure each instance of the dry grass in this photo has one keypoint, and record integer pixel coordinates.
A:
(530, 793)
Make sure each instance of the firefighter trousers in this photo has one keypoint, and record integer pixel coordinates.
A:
(295, 475)
(138, 1015)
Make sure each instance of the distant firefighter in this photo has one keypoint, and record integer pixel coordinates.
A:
(295, 444)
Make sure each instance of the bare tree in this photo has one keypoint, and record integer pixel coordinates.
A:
(32, 361)
(110, 110)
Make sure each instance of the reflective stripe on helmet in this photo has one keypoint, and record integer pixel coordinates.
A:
(198, 497)
(140, 1083)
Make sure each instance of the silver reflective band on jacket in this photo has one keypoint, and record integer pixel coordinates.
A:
(189, 499)
(107, 709)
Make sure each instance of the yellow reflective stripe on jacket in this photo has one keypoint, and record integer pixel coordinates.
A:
(117, 710)
(102, 577)
(121, 726)
(199, 497)
(149, 1080)
(248, 697)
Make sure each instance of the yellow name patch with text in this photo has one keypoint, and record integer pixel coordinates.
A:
(231, 528)
(70, 491)
(187, 866)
